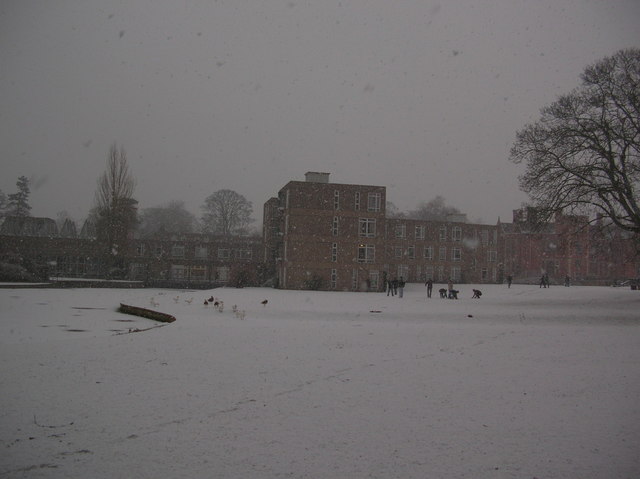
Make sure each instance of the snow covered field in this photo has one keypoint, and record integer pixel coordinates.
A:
(523, 383)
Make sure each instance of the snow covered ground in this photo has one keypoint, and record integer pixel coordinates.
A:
(523, 383)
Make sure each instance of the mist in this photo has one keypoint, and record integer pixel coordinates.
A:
(421, 97)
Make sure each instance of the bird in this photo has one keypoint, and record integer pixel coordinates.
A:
(206, 303)
(210, 299)
(264, 303)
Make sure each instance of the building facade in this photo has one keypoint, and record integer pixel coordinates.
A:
(162, 260)
(336, 237)
(322, 235)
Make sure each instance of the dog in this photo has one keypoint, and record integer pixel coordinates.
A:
(443, 293)
(476, 293)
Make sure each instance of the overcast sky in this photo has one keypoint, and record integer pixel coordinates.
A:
(423, 97)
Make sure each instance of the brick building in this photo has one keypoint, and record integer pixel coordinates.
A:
(333, 236)
(164, 260)
(322, 235)
(568, 246)
(330, 236)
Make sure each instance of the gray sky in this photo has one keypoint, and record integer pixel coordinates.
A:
(421, 96)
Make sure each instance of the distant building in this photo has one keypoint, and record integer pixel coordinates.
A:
(330, 236)
(570, 246)
(337, 237)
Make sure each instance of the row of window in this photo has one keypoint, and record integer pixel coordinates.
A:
(367, 229)
(181, 272)
(374, 201)
(366, 253)
(438, 274)
(200, 252)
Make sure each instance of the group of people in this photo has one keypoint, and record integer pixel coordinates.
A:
(544, 281)
(395, 286)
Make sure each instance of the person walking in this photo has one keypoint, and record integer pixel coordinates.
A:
(429, 285)
(401, 284)
(509, 281)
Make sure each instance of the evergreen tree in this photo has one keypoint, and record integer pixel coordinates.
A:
(18, 203)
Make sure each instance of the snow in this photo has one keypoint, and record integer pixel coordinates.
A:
(523, 383)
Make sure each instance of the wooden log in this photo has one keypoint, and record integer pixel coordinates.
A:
(146, 313)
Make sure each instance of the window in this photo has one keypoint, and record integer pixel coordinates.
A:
(403, 271)
(368, 227)
(334, 252)
(201, 252)
(374, 278)
(366, 253)
(442, 253)
(492, 256)
(428, 252)
(222, 274)
(373, 201)
(484, 237)
(443, 233)
(334, 278)
(177, 251)
(397, 251)
(411, 252)
(244, 254)
(456, 254)
(357, 201)
(441, 274)
(178, 271)
(138, 270)
(336, 200)
(455, 273)
(401, 231)
(428, 272)
(334, 227)
(198, 272)
(484, 274)
(140, 249)
(420, 232)
(354, 280)
(456, 233)
(224, 253)
(158, 251)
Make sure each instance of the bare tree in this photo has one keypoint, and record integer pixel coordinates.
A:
(172, 218)
(434, 210)
(583, 154)
(115, 208)
(226, 212)
(393, 211)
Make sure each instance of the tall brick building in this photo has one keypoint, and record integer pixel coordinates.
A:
(334, 236)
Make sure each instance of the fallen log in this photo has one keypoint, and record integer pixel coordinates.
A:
(146, 313)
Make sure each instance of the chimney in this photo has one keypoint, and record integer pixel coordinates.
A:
(316, 177)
